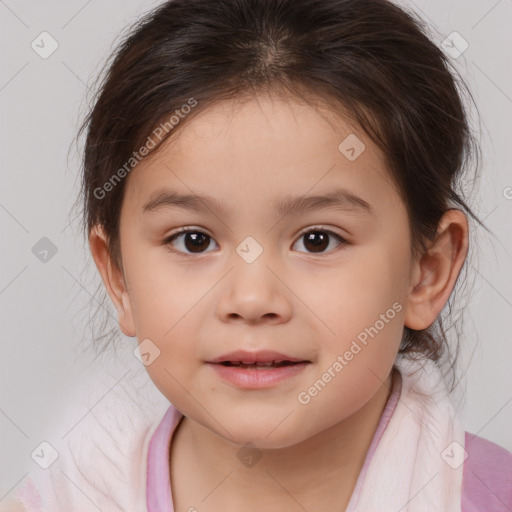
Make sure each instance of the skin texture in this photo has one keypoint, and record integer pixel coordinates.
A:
(196, 306)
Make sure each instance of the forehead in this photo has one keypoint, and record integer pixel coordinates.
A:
(260, 149)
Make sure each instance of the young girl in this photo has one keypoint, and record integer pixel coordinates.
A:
(270, 196)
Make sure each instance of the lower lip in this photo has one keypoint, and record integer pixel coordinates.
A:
(250, 378)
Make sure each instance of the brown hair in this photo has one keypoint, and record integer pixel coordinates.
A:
(368, 59)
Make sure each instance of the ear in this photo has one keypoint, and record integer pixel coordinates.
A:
(436, 272)
(113, 279)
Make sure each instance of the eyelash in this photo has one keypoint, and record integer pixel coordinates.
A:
(170, 239)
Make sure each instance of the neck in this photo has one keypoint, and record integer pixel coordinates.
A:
(315, 473)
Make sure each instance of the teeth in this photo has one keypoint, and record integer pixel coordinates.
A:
(256, 363)
(259, 364)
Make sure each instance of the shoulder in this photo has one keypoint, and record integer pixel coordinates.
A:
(25, 499)
(102, 459)
(487, 476)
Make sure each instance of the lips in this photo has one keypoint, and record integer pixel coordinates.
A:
(262, 358)
(257, 370)
(262, 365)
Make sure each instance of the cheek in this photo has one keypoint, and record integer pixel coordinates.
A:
(365, 310)
(358, 295)
(161, 294)
(164, 308)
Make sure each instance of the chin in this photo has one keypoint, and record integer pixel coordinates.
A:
(264, 435)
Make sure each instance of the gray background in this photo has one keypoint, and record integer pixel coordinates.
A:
(46, 362)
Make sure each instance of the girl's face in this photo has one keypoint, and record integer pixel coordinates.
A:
(266, 268)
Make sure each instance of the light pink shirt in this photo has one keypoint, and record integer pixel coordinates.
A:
(486, 484)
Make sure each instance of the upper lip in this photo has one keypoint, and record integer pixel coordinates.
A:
(261, 356)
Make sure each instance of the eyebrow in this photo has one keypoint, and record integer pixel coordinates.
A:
(338, 199)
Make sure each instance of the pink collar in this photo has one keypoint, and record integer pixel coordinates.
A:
(159, 495)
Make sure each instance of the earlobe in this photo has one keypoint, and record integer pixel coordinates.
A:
(435, 274)
(113, 280)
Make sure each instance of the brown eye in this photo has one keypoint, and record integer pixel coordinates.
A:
(190, 241)
(317, 241)
(193, 242)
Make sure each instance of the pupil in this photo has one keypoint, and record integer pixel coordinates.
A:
(318, 240)
(198, 240)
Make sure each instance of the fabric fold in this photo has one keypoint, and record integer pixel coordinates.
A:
(415, 462)
(418, 463)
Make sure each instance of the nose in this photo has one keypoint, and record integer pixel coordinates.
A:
(254, 293)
